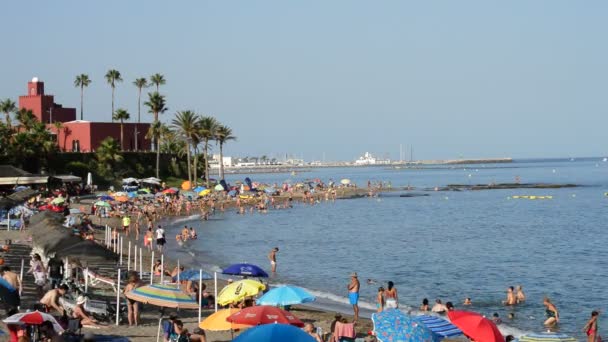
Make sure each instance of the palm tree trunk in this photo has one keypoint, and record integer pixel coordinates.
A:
(122, 145)
(138, 120)
(157, 158)
(221, 161)
(8, 120)
(81, 100)
(195, 178)
(112, 104)
(206, 156)
(189, 166)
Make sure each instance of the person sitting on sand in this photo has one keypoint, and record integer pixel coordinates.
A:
(52, 297)
(181, 333)
(439, 307)
(425, 305)
(520, 296)
(467, 301)
(552, 313)
(157, 268)
(510, 297)
(309, 328)
(81, 314)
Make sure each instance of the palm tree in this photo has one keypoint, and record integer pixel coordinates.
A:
(121, 115)
(83, 81)
(222, 135)
(140, 83)
(156, 104)
(113, 77)
(8, 106)
(108, 155)
(186, 126)
(207, 128)
(158, 80)
(26, 118)
(58, 126)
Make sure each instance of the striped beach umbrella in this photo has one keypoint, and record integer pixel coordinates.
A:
(547, 337)
(162, 295)
(439, 326)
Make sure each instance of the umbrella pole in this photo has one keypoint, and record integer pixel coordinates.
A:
(129, 257)
(178, 272)
(162, 268)
(135, 258)
(152, 269)
(141, 264)
(118, 298)
(215, 288)
(160, 320)
(86, 279)
(200, 294)
(21, 277)
(120, 250)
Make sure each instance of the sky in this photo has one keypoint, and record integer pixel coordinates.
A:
(334, 79)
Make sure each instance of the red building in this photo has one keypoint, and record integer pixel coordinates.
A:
(77, 135)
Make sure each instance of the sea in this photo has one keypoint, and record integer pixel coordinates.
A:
(448, 245)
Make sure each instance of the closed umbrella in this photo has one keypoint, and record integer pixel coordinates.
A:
(286, 295)
(33, 318)
(217, 321)
(439, 326)
(239, 290)
(249, 270)
(475, 326)
(547, 337)
(161, 295)
(393, 325)
(258, 315)
(274, 333)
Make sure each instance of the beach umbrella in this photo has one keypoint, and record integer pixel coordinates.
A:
(129, 180)
(475, 326)
(199, 188)
(190, 194)
(547, 337)
(146, 196)
(270, 190)
(439, 326)
(192, 275)
(161, 295)
(239, 290)
(232, 193)
(345, 181)
(106, 198)
(170, 191)
(121, 198)
(274, 333)
(33, 318)
(158, 194)
(120, 193)
(219, 187)
(285, 295)
(258, 315)
(245, 270)
(217, 321)
(143, 191)
(186, 185)
(58, 200)
(394, 325)
(102, 204)
(204, 192)
(132, 194)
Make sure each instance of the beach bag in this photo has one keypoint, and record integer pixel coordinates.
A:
(39, 278)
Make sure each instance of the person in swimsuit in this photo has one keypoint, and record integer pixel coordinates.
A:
(510, 297)
(132, 306)
(520, 296)
(380, 299)
(552, 313)
(193, 235)
(81, 314)
(391, 297)
(467, 301)
(353, 294)
(272, 256)
(591, 327)
(425, 305)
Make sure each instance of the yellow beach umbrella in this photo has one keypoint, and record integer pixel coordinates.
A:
(204, 192)
(218, 322)
(239, 290)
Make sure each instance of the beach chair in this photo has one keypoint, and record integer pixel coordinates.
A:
(96, 279)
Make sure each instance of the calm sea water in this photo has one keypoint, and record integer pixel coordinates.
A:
(449, 245)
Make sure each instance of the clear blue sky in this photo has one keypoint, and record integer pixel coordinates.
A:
(453, 78)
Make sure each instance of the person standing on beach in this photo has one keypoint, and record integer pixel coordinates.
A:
(160, 238)
(272, 256)
(353, 294)
(390, 296)
(552, 313)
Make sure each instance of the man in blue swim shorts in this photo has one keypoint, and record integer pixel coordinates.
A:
(353, 294)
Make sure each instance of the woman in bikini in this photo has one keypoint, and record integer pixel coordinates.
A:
(132, 306)
(591, 327)
(390, 296)
(148, 239)
(552, 313)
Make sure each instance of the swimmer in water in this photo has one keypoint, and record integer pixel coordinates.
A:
(510, 297)
(467, 301)
(520, 296)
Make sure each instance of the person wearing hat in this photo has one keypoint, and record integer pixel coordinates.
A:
(80, 313)
(353, 294)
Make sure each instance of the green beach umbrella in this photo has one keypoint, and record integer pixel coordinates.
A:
(102, 204)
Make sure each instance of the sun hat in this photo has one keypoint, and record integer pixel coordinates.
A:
(81, 300)
(354, 274)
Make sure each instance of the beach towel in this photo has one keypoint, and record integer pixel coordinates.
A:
(344, 330)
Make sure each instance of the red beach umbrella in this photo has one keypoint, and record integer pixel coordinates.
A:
(475, 326)
(264, 314)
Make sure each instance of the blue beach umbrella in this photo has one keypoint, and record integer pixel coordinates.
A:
(439, 326)
(245, 270)
(132, 194)
(106, 198)
(192, 275)
(286, 295)
(274, 333)
(199, 189)
(547, 337)
(393, 325)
